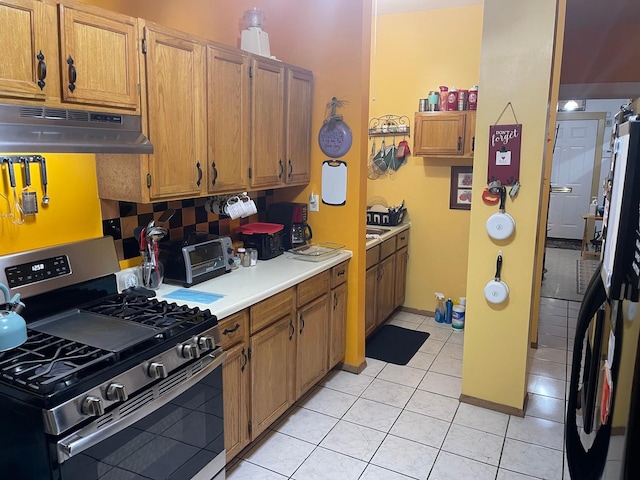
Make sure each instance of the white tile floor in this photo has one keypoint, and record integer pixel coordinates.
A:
(405, 422)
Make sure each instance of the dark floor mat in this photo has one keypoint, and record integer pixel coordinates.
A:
(394, 344)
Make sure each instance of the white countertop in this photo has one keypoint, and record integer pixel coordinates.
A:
(371, 242)
(246, 286)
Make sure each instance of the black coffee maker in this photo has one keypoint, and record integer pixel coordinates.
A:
(293, 216)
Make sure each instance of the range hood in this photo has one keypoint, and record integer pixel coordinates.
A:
(34, 129)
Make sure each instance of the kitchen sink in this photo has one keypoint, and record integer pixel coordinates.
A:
(376, 231)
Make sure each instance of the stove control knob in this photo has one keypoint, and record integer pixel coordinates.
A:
(206, 342)
(92, 406)
(157, 370)
(189, 350)
(116, 392)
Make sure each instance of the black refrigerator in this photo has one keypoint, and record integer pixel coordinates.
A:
(603, 426)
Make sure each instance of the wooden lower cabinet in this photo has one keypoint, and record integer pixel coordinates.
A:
(311, 349)
(337, 325)
(272, 373)
(371, 307)
(402, 257)
(235, 378)
(277, 350)
(385, 292)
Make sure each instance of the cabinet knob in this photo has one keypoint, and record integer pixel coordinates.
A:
(42, 70)
(72, 74)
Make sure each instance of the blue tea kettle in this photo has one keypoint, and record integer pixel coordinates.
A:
(13, 328)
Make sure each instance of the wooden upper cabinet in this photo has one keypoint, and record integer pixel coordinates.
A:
(445, 134)
(176, 112)
(267, 120)
(98, 57)
(29, 50)
(298, 127)
(228, 100)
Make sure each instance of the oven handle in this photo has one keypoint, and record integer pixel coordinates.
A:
(77, 442)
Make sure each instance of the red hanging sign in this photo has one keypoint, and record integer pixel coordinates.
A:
(504, 153)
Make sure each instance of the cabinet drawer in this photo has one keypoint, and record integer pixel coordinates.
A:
(339, 274)
(313, 287)
(271, 309)
(234, 329)
(373, 256)
(387, 247)
(402, 239)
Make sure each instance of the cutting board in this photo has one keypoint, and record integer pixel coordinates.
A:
(334, 182)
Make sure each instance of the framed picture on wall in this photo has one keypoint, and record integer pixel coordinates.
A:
(461, 183)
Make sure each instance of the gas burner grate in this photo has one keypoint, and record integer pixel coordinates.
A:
(46, 363)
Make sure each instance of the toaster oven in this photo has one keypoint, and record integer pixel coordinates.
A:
(190, 263)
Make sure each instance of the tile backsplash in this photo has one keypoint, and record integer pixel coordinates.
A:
(120, 219)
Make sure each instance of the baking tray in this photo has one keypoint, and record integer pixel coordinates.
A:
(316, 252)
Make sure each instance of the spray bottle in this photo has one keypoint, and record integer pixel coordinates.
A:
(440, 308)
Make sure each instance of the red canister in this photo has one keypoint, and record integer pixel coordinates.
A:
(444, 98)
(473, 98)
(452, 99)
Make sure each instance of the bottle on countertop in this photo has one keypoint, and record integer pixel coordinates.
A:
(449, 311)
(440, 308)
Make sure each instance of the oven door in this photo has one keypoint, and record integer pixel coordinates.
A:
(173, 430)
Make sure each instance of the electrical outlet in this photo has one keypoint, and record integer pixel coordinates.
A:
(314, 203)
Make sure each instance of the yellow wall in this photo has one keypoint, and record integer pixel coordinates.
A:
(516, 66)
(73, 212)
(409, 60)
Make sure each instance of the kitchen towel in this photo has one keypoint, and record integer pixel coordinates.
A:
(394, 344)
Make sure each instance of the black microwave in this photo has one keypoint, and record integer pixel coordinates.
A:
(193, 263)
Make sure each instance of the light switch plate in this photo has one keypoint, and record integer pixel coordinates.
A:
(314, 203)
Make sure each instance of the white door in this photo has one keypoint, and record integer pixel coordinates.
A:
(572, 167)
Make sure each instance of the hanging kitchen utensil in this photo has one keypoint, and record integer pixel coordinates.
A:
(379, 165)
(29, 198)
(496, 291)
(335, 136)
(334, 182)
(371, 174)
(18, 218)
(43, 176)
(501, 225)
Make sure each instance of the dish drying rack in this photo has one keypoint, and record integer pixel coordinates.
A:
(316, 252)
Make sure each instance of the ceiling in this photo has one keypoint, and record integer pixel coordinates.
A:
(599, 57)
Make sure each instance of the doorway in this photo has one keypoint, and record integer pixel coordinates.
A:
(577, 159)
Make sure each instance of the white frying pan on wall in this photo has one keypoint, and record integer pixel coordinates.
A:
(501, 225)
(496, 291)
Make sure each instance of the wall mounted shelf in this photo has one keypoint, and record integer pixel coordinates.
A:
(389, 125)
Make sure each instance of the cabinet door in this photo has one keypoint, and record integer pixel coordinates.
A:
(228, 120)
(298, 129)
(272, 370)
(98, 57)
(386, 292)
(24, 35)
(338, 325)
(371, 302)
(267, 121)
(235, 377)
(312, 357)
(439, 133)
(470, 131)
(175, 73)
(400, 283)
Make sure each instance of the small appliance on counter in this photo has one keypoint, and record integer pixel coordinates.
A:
(266, 238)
(197, 258)
(293, 216)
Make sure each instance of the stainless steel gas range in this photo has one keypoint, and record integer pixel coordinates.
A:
(108, 385)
